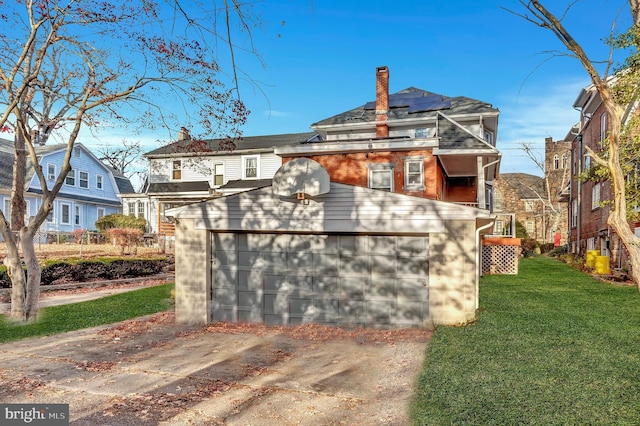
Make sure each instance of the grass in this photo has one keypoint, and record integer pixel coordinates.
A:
(76, 316)
(551, 346)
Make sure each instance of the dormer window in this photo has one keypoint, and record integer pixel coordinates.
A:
(176, 172)
(488, 136)
(424, 132)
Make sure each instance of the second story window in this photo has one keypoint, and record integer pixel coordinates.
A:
(603, 127)
(51, 171)
(488, 136)
(556, 162)
(84, 179)
(99, 181)
(381, 176)
(218, 174)
(250, 167)
(528, 206)
(498, 201)
(414, 173)
(595, 196)
(176, 169)
(71, 178)
(565, 160)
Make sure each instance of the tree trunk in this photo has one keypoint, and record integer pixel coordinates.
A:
(33, 275)
(17, 277)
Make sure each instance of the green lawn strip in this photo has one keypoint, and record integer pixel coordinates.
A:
(551, 346)
(76, 316)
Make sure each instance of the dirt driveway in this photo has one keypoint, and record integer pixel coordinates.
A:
(156, 372)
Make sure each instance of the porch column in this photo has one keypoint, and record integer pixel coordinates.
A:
(480, 188)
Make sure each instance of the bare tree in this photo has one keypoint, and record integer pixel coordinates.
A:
(616, 106)
(554, 182)
(69, 65)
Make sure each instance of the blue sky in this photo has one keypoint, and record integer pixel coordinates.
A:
(320, 59)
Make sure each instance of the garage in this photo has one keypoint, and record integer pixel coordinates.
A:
(306, 250)
(291, 279)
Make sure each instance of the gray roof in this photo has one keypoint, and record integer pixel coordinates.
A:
(244, 144)
(453, 136)
(79, 197)
(527, 186)
(177, 187)
(244, 184)
(412, 103)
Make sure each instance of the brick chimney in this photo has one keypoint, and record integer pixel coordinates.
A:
(183, 134)
(382, 101)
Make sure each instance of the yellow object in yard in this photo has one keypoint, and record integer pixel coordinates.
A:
(591, 258)
(602, 265)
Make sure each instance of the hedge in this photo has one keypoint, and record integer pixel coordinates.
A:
(89, 270)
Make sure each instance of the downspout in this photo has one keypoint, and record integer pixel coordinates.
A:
(479, 260)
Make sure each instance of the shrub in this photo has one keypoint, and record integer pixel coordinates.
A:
(120, 221)
(126, 238)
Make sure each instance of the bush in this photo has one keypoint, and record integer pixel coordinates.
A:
(120, 221)
(126, 238)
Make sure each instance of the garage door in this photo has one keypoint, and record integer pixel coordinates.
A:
(365, 280)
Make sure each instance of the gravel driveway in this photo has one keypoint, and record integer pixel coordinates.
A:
(152, 371)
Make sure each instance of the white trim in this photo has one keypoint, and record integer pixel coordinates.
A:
(244, 167)
(55, 171)
(69, 221)
(407, 162)
(80, 172)
(355, 146)
(101, 179)
(71, 172)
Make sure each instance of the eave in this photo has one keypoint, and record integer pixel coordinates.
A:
(346, 146)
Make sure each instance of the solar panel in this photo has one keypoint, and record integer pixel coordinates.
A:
(416, 101)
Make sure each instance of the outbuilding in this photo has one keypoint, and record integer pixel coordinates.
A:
(309, 250)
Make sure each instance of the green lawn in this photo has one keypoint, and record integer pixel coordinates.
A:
(552, 346)
(107, 310)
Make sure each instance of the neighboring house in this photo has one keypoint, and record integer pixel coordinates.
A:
(375, 223)
(542, 212)
(412, 142)
(520, 194)
(588, 215)
(189, 171)
(89, 192)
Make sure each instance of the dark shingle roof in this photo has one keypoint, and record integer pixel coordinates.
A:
(175, 187)
(453, 136)
(526, 185)
(246, 143)
(399, 109)
(244, 184)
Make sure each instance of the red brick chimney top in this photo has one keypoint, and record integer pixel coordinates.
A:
(382, 101)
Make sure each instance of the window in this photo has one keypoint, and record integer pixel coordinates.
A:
(100, 212)
(587, 163)
(250, 167)
(99, 181)
(218, 174)
(65, 213)
(574, 213)
(176, 173)
(381, 176)
(603, 127)
(71, 178)
(528, 206)
(565, 160)
(556, 162)
(76, 152)
(498, 227)
(50, 214)
(595, 196)
(51, 171)
(529, 227)
(498, 201)
(131, 208)
(76, 219)
(140, 209)
(84, 179)
(7, 209)
(425, 132)
(414, 172)
(488, 136)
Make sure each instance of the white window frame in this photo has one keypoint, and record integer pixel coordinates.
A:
(131, 208)
(408, 161)
(51, 171)
(587, 163)
(381, 169)
(62, 208)
(556, 162)
(218, 170)
(140, 209)
(603, 127)
(100, 212)
(77, 215)
(176, 169)
(498, 227)
(80, 180)
(528, 206)
(530, 227)
(71, 175)
(565, 160)
(498, 200)
(595, 196)
(488, 136)
(99, 182)
(6, 209)
(574, 213)
(245, 168)
(424, 132)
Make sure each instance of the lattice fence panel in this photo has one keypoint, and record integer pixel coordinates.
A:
(500, 259)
